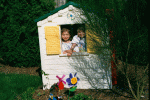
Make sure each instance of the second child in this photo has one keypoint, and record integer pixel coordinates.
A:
(79, 41)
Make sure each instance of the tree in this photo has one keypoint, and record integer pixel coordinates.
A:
(59, 3)
(130, 36)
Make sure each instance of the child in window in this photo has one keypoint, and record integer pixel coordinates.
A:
(66, 43)
(79, 41)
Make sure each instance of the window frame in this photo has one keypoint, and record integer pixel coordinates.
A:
(74, 53)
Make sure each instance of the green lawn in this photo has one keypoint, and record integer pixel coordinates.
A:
(14, 85)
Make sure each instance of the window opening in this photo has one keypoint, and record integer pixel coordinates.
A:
(73, 32)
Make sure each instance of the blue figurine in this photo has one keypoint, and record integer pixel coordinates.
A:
(51, 97)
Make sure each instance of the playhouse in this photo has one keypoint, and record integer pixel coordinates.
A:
(93, 68)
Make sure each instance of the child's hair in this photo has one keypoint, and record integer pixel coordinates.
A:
(80, 29)
(66, 30)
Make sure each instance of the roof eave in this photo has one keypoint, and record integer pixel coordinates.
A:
(57, 9)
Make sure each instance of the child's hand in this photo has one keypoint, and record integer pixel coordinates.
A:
(64, 52)
(69, 51)
(69, 54)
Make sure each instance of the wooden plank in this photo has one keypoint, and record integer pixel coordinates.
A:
(59, 71)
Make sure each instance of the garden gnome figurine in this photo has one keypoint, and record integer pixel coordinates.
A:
(51, 97)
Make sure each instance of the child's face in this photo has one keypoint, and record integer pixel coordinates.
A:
(65, 36)
(81, 34)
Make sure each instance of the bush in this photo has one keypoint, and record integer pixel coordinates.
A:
(127, 25)
(81, 96)
(129, 28)
(19, 34)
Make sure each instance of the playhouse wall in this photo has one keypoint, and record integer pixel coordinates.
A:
(94, 70)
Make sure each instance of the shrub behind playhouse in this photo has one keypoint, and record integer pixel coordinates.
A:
(19, 44)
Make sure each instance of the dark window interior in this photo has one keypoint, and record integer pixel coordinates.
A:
(73, 28)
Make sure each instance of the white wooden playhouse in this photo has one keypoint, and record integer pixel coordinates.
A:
(94, 70)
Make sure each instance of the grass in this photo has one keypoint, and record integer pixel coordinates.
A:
(14, 86)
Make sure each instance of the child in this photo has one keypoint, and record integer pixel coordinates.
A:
(79, 41)
(66, 43)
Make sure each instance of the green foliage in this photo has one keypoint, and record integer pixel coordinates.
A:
(19, 33)
(81, 96)
(130, 35)
(42, 72)
(13, 85)
(27, 95)
(129, 28)
(126, 25)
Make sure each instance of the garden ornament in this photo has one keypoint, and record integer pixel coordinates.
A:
(61, 81)
(51, 97)
(72, 82)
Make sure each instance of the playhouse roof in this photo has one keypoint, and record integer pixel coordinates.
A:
(57, 9)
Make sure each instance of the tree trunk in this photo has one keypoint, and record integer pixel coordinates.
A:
(60, 3)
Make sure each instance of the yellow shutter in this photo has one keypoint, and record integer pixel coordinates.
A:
(52, 40)
(93, 40)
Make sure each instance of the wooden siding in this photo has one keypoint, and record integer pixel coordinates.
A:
(88, 69)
